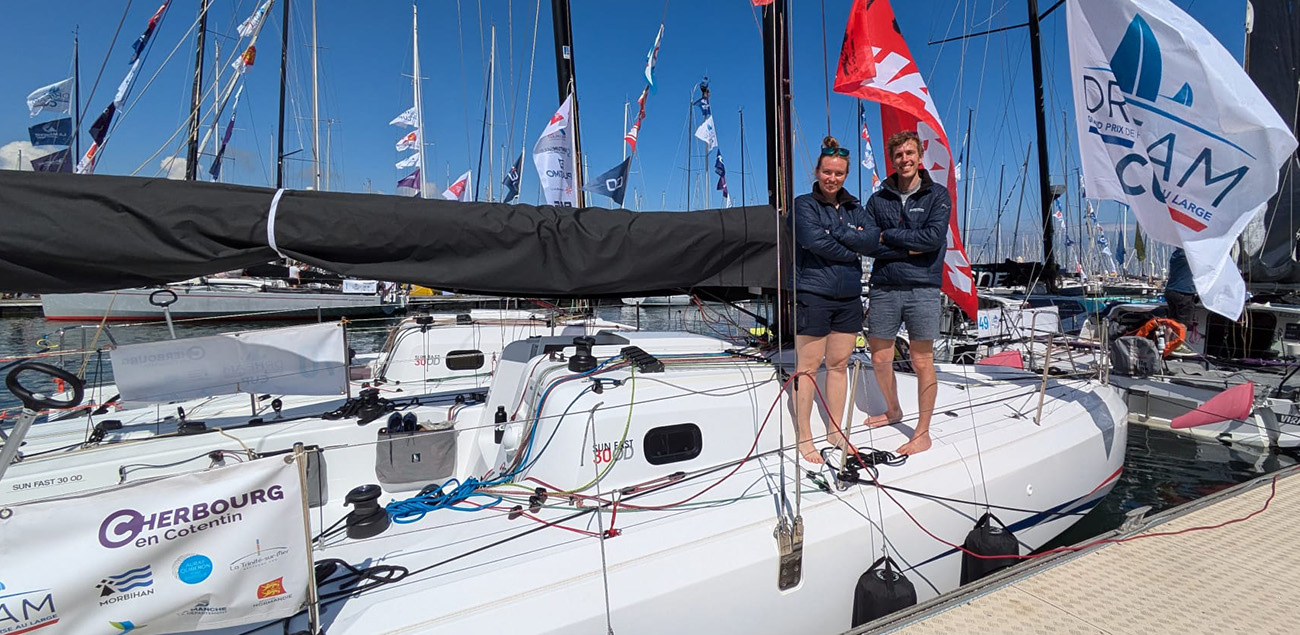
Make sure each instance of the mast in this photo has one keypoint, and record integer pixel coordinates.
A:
(76, 90)
(485, 136)
(997, 225)
(492, 112)
(1040, 120)
(743, 201)
(284, 62)
(315, 104)
(419, 96)
(567, 83)
(776, 67)
(196, 96)
(690, 127)
(965, 224)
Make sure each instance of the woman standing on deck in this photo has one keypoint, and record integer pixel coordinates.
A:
(828, 286)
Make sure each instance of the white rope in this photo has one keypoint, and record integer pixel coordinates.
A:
(270, 223)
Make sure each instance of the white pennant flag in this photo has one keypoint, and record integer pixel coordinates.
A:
(56, 97)
(124, 88)
(1171, 125)
(405, 120)
(460, 190)
(251, 25)
(553, 157)
(409, 162)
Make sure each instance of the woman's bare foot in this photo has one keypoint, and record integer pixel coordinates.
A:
(919, 443)
(809, 452)
(889, 418)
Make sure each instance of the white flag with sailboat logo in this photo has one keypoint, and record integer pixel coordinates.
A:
(1170, 124)
(553, 156)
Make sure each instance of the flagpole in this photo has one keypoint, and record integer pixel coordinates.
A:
(690, 128)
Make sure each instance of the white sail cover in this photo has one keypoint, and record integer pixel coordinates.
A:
(1170, 124)
(295, 360)
(553, 156)
(204, 550)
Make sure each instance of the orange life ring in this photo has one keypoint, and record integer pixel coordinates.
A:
(1176, 333)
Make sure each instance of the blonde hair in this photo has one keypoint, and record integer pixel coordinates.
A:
(832, 143)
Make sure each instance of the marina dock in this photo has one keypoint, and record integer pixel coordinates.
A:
(1235, 578)
(20, 307)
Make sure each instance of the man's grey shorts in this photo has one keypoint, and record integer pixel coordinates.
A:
(890, 308)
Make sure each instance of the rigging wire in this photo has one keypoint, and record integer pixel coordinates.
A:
(111, 44)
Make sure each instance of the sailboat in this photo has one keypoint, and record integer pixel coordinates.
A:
(1262, 347)
(638, 482)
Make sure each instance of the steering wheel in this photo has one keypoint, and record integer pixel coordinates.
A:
(37, 401)
(164, 303)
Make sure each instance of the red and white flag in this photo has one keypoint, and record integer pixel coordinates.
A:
(631, 135)
(460, 190)
(875, 64)
(408, 141)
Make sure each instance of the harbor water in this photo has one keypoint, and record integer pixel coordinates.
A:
(1162, 469)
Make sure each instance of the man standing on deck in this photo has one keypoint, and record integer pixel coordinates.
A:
(906, 234)
(1180, 289)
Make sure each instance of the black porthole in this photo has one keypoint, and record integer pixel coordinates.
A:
(670, 444)
(464, 360)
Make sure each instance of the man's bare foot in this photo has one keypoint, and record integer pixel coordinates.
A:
(889, 418)
(919, 443)
(809, 452)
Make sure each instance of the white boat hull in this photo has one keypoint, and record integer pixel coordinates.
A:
(203, 302)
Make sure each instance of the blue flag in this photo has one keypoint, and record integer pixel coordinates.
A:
(52, 133)
(613, 183)
(60, 161)
(511, 180)
(225, 139)
(722, 177)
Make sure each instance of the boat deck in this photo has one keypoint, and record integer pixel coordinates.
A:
(1240, 578)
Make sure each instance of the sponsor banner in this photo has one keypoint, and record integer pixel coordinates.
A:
(1171, 125)
(210, 549)
(295, 360)
(370, 287)
(1018, 322)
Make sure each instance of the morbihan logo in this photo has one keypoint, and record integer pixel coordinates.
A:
(128, 585)
(1124, 100)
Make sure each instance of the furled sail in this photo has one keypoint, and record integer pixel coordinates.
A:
(66, 233)
(1273, 54)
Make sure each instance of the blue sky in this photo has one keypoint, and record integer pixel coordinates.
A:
(365, 61)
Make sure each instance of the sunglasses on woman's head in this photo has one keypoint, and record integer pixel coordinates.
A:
(842, 152)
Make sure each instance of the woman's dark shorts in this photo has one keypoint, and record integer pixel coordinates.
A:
(817, 315)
